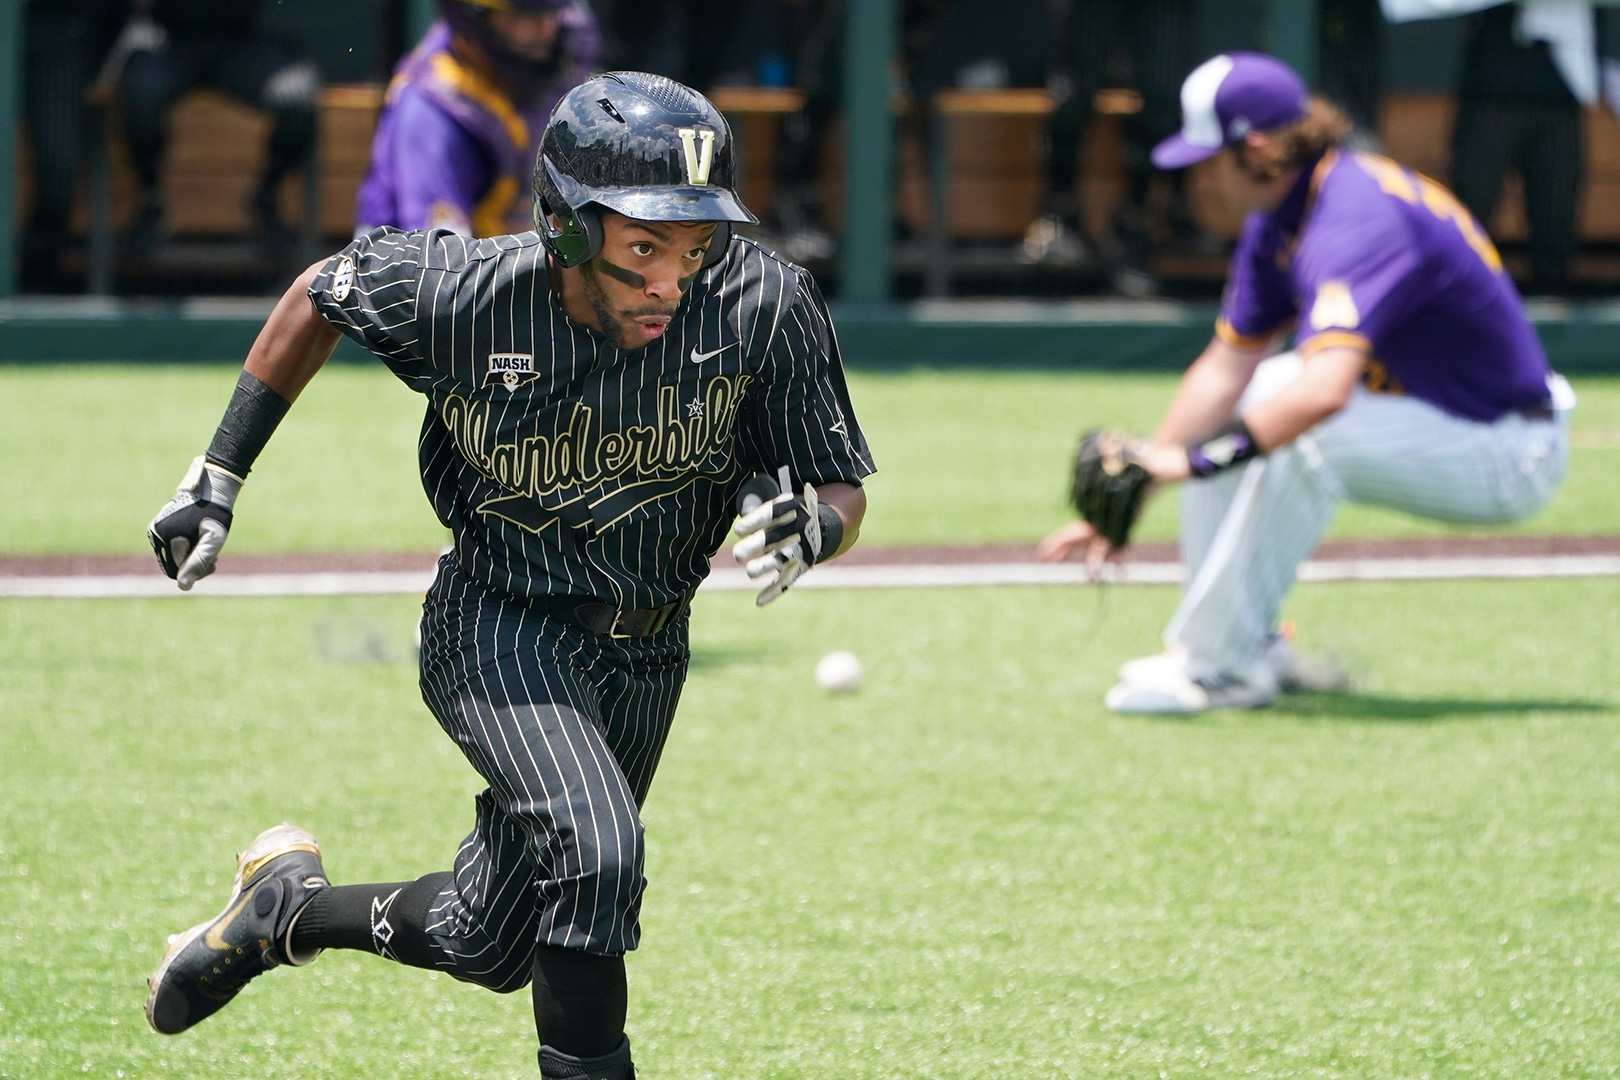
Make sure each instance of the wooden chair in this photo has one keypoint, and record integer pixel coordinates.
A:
(986, 172)
(214, 158)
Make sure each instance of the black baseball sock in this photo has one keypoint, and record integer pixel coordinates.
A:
(580, 1001)
(386, 919)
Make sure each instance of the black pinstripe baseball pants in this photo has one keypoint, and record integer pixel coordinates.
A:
(567, 727)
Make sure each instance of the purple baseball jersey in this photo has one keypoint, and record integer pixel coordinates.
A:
(452, 149)
(1368, 253)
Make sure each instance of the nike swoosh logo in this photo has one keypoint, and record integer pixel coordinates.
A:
(214, 939)
(699, 357)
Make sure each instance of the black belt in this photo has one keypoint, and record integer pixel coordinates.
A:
(1538, 412)
(600, 618)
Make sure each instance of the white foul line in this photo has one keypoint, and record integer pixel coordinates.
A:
(133, 586)
(357, 583)
(1503, 566)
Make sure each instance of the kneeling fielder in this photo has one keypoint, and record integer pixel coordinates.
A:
(1416, 383)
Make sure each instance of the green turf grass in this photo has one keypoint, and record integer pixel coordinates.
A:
(92, 452)
(964, 457)
(977, 457)
(965, 870)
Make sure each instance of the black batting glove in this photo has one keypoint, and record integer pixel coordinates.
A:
(188, 533)
(780, 533)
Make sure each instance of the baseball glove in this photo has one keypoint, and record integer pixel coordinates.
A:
(1110, 483)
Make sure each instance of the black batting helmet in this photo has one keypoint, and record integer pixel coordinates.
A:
(641, 145)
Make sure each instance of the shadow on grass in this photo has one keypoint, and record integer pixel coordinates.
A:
(1408, 709)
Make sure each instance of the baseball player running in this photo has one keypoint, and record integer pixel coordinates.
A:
(599, 394)
(1415, 383)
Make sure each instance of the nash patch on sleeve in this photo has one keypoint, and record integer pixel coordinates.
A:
(1334, 308)
(510, 370)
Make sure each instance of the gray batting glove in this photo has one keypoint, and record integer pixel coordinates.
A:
(781, 537)
(189, 531)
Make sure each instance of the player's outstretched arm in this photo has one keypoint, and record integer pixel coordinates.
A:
(295, 342)
(188, 533)
(1109, 489)
(1109, 496)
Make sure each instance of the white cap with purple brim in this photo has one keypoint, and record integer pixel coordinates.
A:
(1226, 98)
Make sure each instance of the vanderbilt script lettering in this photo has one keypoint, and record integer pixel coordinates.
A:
(579, 456)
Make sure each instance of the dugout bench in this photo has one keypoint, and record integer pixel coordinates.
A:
(983, 162)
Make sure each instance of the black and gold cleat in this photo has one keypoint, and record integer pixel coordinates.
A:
(206, 966)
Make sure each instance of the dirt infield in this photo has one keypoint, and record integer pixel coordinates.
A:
(1004, 554)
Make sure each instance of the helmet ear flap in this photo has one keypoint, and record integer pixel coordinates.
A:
(718, 245)
(577, 234)
(575, 238)
(590, 225)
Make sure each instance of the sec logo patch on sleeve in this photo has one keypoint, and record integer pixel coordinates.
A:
(343, 278)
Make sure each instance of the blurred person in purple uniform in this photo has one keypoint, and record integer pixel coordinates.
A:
(1415, 382)
(456, 140)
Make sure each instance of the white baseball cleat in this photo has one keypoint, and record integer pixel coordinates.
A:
(1294, 672)
(1170, 688)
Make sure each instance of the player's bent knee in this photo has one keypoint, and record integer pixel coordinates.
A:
(594, 903)
(616, 869)
(507, 972)
(615, 874)
(1270, 377)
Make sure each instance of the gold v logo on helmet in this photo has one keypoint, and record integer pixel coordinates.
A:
(698, 160)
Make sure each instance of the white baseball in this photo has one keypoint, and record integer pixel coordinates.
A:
(838, 672)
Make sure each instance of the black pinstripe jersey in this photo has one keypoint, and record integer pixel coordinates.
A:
(565, 465)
